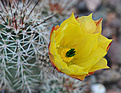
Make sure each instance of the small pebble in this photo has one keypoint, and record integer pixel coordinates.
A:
(98, 88)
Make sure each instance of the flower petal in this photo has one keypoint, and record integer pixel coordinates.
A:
(103, 42)
(79, 77)
(54, 28)
(87, 24)
(91, 60)
(77, 70)
(66, 27)
(70, 35)
(101, 64)
(99, 25)
(86, 44)
(71, 20)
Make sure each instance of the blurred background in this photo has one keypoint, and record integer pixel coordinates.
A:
(102, 81)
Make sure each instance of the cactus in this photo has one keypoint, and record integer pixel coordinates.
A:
(63, 84)
(23, 46)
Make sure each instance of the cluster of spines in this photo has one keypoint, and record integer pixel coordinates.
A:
(23, 39)
(63, 84)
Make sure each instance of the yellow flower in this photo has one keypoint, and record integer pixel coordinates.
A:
(77, 47)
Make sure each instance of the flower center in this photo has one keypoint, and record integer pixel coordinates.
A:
(67, 54)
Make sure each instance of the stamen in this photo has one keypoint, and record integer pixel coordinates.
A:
(67, 54)
(70, 53)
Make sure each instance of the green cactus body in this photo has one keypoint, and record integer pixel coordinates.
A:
(22, 43)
